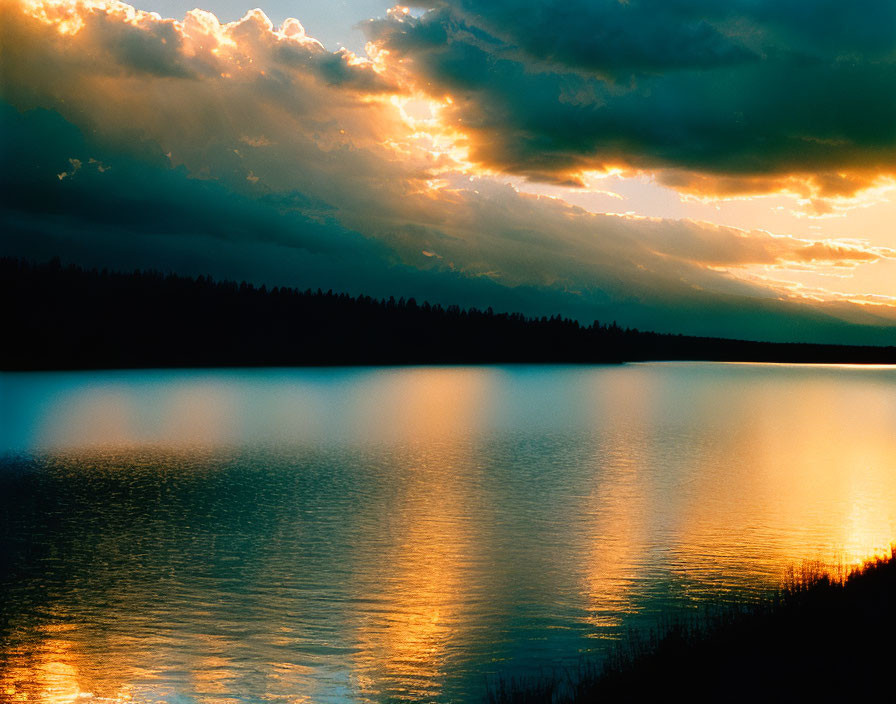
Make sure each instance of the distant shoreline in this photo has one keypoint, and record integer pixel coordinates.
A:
(427, 365)
(68, 318)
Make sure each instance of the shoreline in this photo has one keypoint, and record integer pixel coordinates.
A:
(821, 636)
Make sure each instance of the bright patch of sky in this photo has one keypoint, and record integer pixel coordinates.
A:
(332, 22)
(869, 220)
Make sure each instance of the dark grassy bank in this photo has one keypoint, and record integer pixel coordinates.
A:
(59, 317)
(821, 638)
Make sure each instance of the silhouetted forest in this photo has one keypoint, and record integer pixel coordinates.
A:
(70, 318)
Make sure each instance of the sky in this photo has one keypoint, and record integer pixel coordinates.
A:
(695, 166)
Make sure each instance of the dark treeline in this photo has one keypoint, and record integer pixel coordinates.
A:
(70, 318)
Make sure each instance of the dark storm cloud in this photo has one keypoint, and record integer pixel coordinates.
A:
(604, 37)
(744, 88)
(63, 175)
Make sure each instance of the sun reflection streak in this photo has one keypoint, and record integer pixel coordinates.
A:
(617, 506)
(90, 417)
(57, 673)
(427, 602)
(118, 414)
(813, 477)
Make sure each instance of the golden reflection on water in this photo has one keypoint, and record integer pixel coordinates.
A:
(421, 404)
(808, 476)
(404, 642)
(616, 504)
(55, 672)
(618, 532)
(201, 414)
(680, 484)
(118, 414)
(90, 418)
(404, 645)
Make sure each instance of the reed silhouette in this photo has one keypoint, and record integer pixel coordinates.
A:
(823, 636)
(69, 318)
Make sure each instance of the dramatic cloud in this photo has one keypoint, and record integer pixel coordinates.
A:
(750, 90)
(249, 150)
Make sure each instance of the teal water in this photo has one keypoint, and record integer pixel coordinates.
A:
(405, 534)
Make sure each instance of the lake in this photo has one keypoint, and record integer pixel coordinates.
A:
(408, 534)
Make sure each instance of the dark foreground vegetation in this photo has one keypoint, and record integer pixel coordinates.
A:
(822, 638)
(65, 317)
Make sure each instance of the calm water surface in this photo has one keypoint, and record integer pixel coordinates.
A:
(390, 534)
